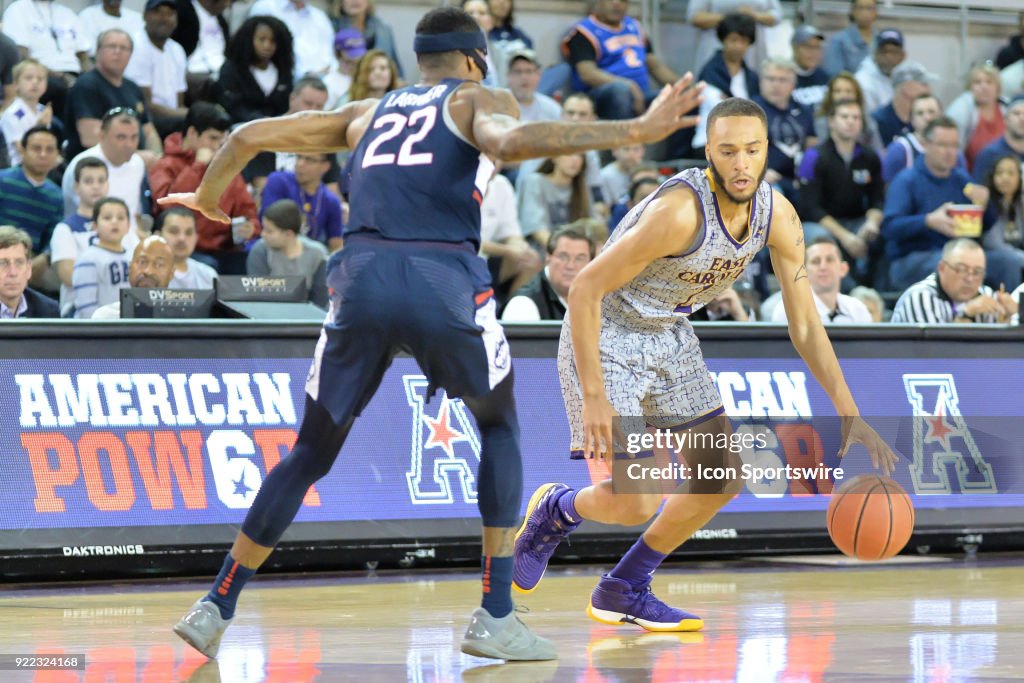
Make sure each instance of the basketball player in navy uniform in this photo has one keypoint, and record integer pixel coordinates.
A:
(409, 279)
(628, 359)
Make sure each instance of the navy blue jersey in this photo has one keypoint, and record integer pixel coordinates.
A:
(414, 177)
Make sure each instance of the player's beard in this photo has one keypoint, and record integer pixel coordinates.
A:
(720, 183)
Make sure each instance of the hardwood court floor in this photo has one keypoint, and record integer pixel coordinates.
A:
(942, 623)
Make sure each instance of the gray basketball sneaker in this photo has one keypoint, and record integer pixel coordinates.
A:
(202, 627)
(504, 638)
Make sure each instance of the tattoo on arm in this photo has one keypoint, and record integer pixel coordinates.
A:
(795, 222)
(801, 273)
(556, 138)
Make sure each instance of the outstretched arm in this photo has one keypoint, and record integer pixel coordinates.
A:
(666, 227)
(807, 332)
(311, 132)
(498, 132)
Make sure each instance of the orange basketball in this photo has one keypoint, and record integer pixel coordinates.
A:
(870, 517)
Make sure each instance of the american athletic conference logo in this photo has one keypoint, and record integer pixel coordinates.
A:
(942, 439)
(445, 449)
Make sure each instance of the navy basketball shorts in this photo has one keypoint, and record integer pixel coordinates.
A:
(430, 300)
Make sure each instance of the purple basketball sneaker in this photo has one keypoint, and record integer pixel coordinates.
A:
(542, 531)
(615, 602)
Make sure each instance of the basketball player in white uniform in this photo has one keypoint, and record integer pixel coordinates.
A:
(627, 349)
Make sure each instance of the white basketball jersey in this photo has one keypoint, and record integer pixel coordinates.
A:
(676, 286)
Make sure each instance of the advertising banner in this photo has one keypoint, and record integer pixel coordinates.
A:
(156, 442)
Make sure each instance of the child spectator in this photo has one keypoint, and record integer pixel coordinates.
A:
(1005, 209)
(321, 208)
(102, 269)
(25, 111)
(71, 237)
(283, 251)
(615, 176)
(178, 227)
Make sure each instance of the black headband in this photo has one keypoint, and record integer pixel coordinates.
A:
(447, 42)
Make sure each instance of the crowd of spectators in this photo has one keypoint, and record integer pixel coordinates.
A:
(107, 111)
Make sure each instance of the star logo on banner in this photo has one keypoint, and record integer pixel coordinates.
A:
(241, 488)
(442, 433)
(938, 428)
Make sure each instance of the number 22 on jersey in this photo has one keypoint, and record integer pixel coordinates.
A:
(416, 126)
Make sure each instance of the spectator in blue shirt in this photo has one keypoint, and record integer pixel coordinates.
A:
(917, 223)
(321, 209)
(910, 80)
(906, 148)
(851, 46)
(28, 198)
(811, 79)
(790, 124)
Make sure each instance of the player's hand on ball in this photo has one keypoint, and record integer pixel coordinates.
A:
(856, 430)
(191, 200)
(602, 428)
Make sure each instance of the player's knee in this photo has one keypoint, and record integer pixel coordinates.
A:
(635, 509)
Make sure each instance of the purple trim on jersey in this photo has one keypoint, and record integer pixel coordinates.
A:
(771, 210)
(698, 420)
(703, 235)
(750, 218)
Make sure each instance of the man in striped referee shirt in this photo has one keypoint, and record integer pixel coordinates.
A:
(955, 292)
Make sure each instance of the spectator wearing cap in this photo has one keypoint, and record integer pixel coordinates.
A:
(904, 149)
(1011, 142)
(811, 79)
(978, 112)
(1013, 51)
(158, 66)
(349, 46)
(203, 33)
(706, 15)
(104, 89)
(841, 188)
(311, 30)
(612, 61)
(256, 78)
(910, 80)
(847, 49)
(874, 73)
(917, 222)
(790, 124)
(523, 77)
(362, 16)
(17, 299)
(49, 32)
(106, 14)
